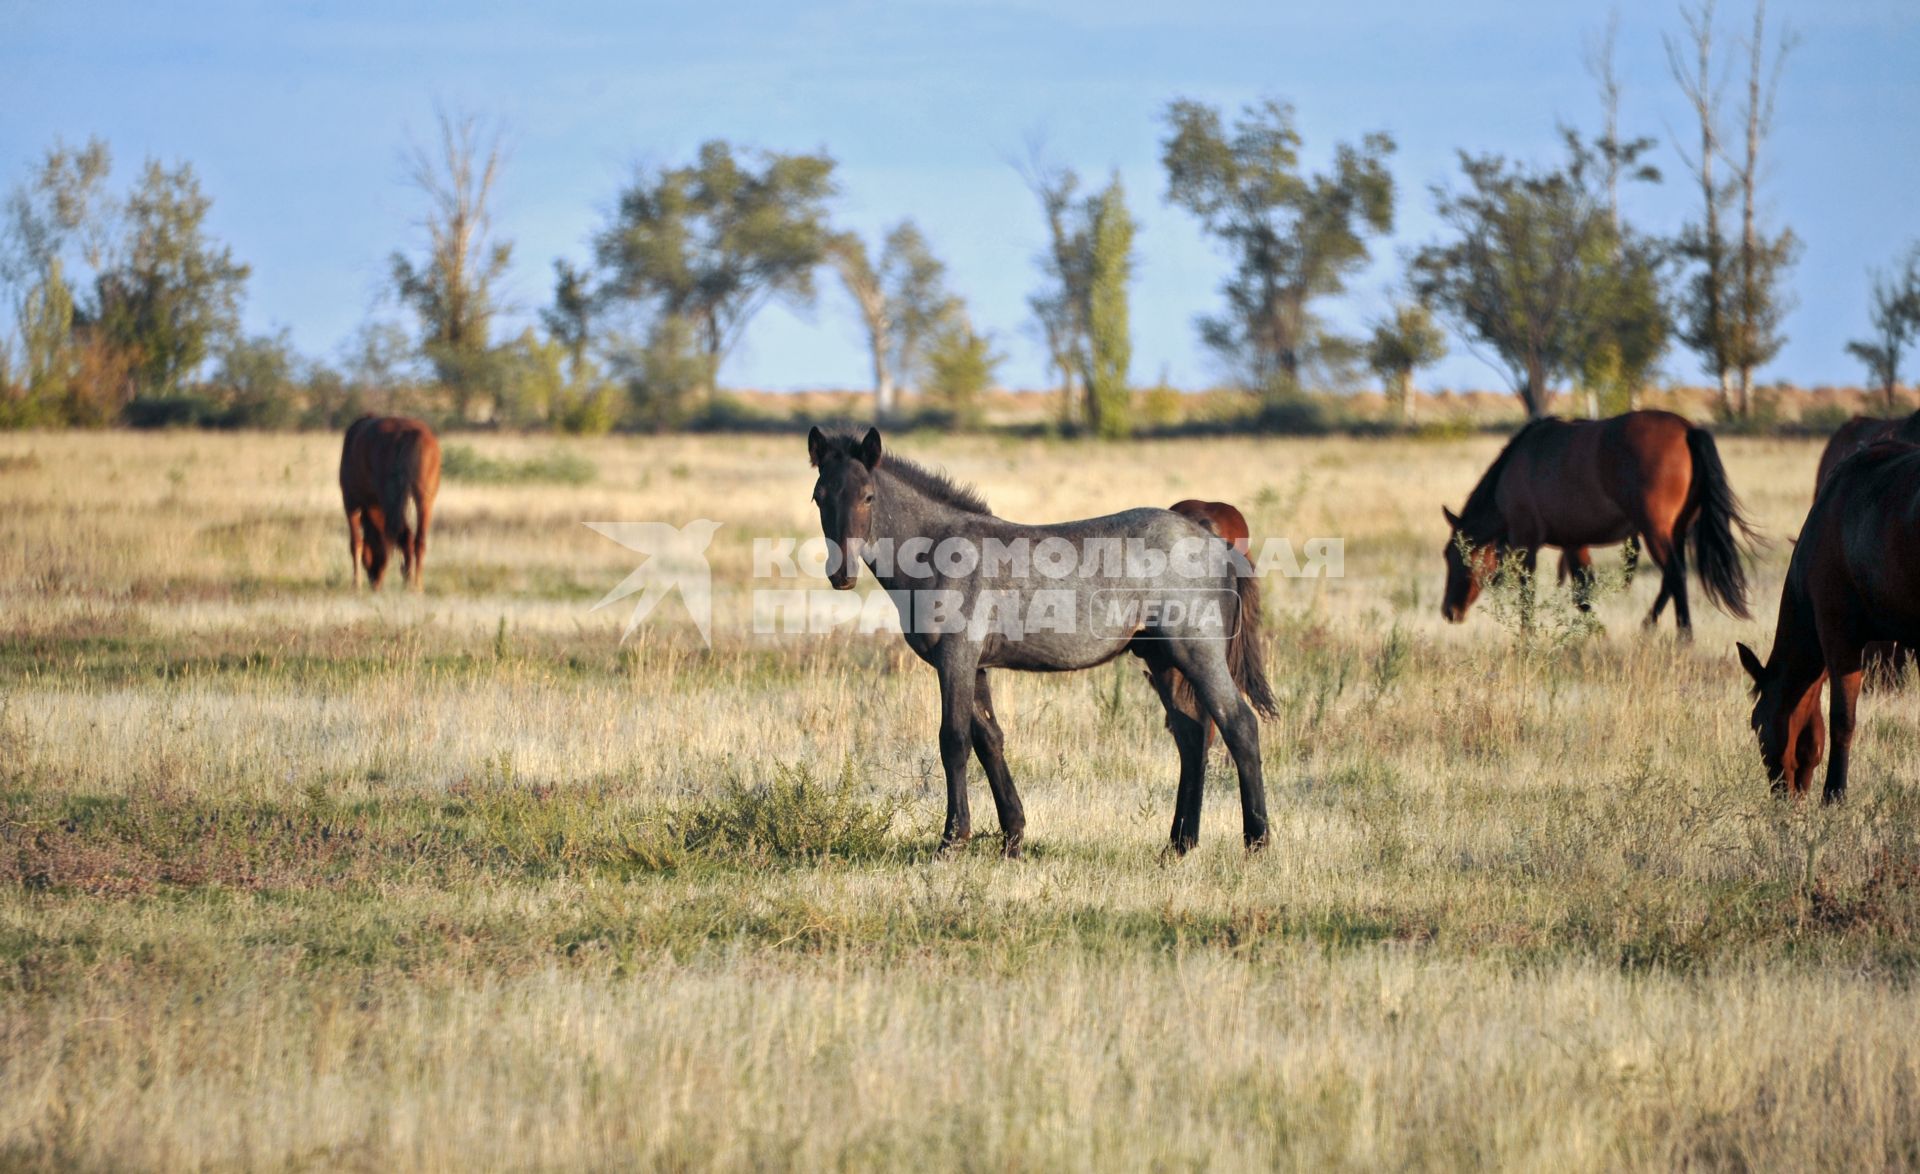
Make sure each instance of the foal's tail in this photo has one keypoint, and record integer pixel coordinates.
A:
(1246, 659)
(1717, 551)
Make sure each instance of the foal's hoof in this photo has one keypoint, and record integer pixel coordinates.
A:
(1013, 845)
(952, 845)
(1256, 843)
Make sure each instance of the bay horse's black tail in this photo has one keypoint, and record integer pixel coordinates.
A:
(1246, 658)
(399, 486)
(1716, 549)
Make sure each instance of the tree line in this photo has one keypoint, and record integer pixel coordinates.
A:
(126, 310)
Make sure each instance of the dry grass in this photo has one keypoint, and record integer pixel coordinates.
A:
(294, 877)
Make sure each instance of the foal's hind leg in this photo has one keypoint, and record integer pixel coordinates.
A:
(1191, 733)
(987, 746)
(1205, 664)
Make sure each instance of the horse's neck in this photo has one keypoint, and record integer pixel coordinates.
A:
(901, 512)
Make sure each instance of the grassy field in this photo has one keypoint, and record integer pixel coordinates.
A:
(294, 877)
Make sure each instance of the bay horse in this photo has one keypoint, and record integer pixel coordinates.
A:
(1573, 484)
(1886, 661)
(1854, 578)
(387, 464)
(977, 592)
(1857, 434)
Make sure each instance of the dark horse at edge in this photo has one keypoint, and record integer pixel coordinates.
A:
(871, 504)
(1651, 476)
(1886, 661)
(1854, 580)
(387, 464)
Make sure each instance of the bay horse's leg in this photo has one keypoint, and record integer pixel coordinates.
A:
(1669, 555)
(374, 543)
(956, 740)
(1579, 564)
(356, 546)
(1843, 697)
(1205, 664)
(1677, 568)
(417, 565)
(1191, 735)
(988, 743)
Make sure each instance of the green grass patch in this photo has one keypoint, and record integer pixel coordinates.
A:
(462, 462)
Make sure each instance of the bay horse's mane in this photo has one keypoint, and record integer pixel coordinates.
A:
(932, 483)
(1480, 503)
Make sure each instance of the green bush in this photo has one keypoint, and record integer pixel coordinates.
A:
(791, 817)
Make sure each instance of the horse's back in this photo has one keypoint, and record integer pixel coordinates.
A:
(1861, 541)
(1857, 434)
(383, 453)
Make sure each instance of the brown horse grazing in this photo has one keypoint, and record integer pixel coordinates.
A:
(1886, 661)
(1854, 578)
(387, 463)
(1580, 483)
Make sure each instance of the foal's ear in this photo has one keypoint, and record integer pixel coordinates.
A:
(816, 445)
(869, 450)
(1751, 662)
(1452, 518)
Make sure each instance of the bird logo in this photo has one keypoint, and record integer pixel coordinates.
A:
(676, 557)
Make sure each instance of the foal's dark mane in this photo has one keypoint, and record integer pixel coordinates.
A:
(921, 479)
(1480, 503)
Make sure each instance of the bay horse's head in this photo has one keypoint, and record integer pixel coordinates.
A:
(1471, 562)
(1793, 737)
(844, 493)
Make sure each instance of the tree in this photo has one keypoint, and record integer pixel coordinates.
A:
(255, 379)
(170, 295)
(1109, 351)
(1631, 321)
(1059, 305)
(1295, 237)
(662, 372)
(1401, 345)
(1896, 320)
(1518, 276)
(902, 300)
(1624, 316)
(707, 245)
(451, 289)
(1704, 302)
(1759, 304)
(569, 321)
(961, 364)
(1628, 321)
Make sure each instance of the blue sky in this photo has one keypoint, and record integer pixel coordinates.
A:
(295, 116)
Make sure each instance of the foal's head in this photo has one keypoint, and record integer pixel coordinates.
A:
(1793, 738)
(844, 493)
(1470, 564)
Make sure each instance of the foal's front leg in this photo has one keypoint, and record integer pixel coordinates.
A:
(956, 739)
